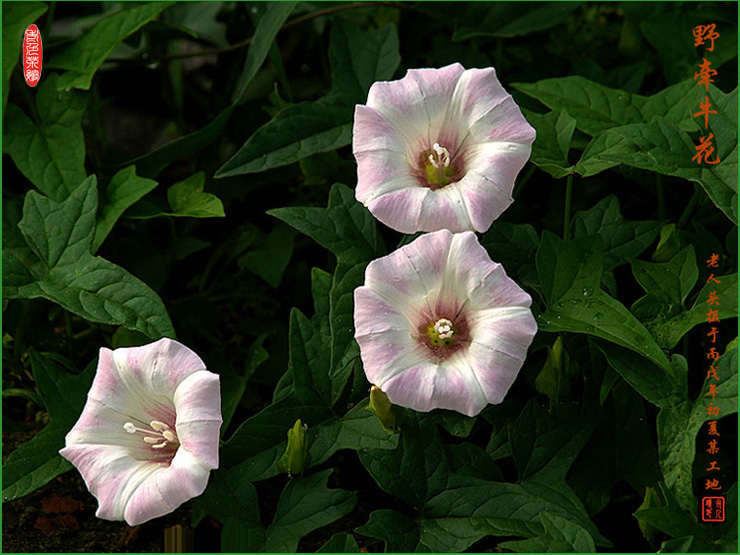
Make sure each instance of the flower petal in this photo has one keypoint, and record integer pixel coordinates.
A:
(456, 387)
(445, 208)
(198, 405)
(501, 338)
(167, 488)
(411, 273)
(416, 105)
(480, 106)
(401, 209)
(483, 282)
(111, 474)
(158, 367)
(413, 387)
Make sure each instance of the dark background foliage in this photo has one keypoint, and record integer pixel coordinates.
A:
(207, 127)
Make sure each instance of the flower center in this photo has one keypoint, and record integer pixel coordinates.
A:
(442, 333)
(159, 436)
(436, 166)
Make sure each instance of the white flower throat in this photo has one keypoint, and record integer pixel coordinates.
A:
(159, 436)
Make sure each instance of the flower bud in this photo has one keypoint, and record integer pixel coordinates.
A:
(295, 457)
(554, 378)
(651, 501)
(382, 407)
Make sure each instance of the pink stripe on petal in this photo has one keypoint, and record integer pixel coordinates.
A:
(373, 314)
(416, 104)
(385, 354)
(158, 367)
(371, 131)
(456, 387)
(412, 388)
(445, 209)
(484, 199)
(400, 210)
(168, 488)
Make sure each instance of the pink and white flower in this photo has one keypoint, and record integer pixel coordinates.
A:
(148, 436)
(439, 149)
(440, 325)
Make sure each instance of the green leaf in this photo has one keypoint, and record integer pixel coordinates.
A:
(85, 55)
(679, 425)
(415, 471)
(454, 423)
(37, 461)
(662, 147)
(234, 384)
(509, 20)
(187, 199)
(308, 359)
(345, 227)
(267, 29)
(669, 331)
(358, 59)
(305, 505)
(152, 163)
(400, 533)
(623, 239)
(655, 383)
(676, 104)
(594, 106)
(341, 542)
(260, 441)
(679, 545)
(34, 463)
(677, 522)
(61, 235)
(229, 495)
(682, 58)
(570, 272)
(358, 429)
(561, 536)
(124, 189)
(542, 442)
(550, 149)
(295, 133)
(667, 285)
(470, 509)
(271, 256)
(50, 153)
(17, 16)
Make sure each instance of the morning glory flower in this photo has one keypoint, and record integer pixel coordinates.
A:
(440, 325)
(148, 436)
(439, 149)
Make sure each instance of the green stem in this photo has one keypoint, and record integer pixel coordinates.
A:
(566, 213)
(689, 208)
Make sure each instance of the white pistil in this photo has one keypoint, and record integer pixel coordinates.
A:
(159, 432)
(443, 156)
(443, 328)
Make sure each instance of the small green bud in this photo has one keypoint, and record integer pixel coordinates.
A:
(668, 246)
(553, 380)
(295, 457)
(651, 501)
(383, 409)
